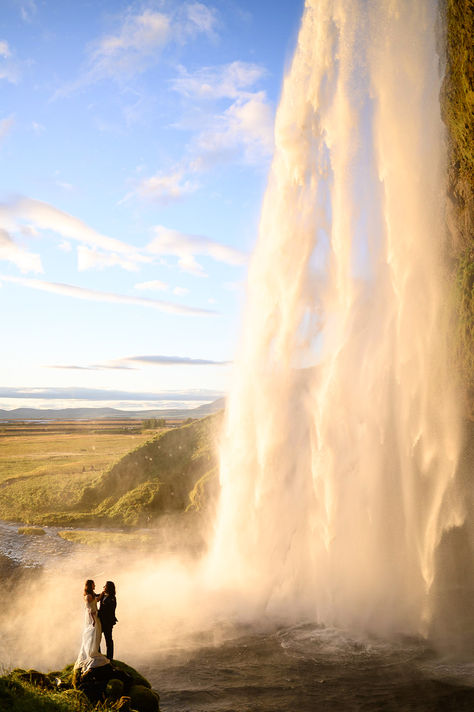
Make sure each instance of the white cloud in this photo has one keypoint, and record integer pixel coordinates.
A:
(28, 10)
(132, 49)
(8, 66)
(245, 128)
(65, 186)
(91, 258)
(29, 230)
(102, 394)
(5, 126)
(195, 18)
(37, 128)
(225, 81)
(139, 40)
(241, 129)
(154, 286)
(70, 290)
(5, 51)
(17, 255)
(171, 361)
(185, 247)
(180, 291)
(43, 216)
(246, 122)
(163, 189)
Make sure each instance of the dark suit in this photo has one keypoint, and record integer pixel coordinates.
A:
(108, 620)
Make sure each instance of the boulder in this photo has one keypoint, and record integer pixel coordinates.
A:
(115, 688)
(144, 699)
(94, 682)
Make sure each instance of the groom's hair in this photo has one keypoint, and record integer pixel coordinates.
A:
(110, 588)
(88, 587)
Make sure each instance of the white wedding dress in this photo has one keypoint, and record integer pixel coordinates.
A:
(89, 656)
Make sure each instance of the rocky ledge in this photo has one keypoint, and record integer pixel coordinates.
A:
(113, 688)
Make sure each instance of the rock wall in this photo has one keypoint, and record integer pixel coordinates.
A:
(457, 104)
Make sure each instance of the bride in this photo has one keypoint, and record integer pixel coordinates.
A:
(89, 656)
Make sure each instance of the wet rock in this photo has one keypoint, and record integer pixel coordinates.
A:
(115, 688)
(94, 682)
(130, 673)
(144, 699)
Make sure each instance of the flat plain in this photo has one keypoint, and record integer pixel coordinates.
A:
(45, 466)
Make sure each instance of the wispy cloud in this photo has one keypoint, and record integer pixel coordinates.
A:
(163, 188)
(232, 81)
(91, 258)
(38, 128)
(172, 361)
(153, 285)
(47, 217)
(10, 251)
(245, 123)
(103, 394)
(5, 126)
(27, 217)
(131, 49)
(9, 69)
(235, 124)
(244, 129)
(195, 18)
(186, 247)
(95, 367)
(69, 290)
(131, 362)
(138, 41)
(105, 250)
(28, 9)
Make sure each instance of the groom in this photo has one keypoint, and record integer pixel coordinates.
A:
(108, 604)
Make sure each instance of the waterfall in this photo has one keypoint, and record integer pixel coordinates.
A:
(342, 432)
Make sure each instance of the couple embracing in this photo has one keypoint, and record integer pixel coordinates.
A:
(98, 619)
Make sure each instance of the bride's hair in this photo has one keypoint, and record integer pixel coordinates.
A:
(89, 587)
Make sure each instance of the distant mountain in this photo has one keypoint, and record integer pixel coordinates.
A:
(112, 413)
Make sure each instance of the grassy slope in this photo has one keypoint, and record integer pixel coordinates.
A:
(42, 479)
(164, 475)
(457, 100)
(40, 473)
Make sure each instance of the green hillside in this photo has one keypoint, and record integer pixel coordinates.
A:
(174, 472)
(457, 104)
(170, 472)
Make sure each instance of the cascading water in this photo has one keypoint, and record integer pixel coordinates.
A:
(342, 434)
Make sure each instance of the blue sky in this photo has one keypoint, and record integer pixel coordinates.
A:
(135, 140)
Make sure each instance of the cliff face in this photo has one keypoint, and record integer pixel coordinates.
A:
(453, 589)
(457, 104)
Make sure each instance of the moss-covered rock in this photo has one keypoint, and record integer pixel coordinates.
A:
(35, 691)
(135, 676)
(143, 699)
(114, 689)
